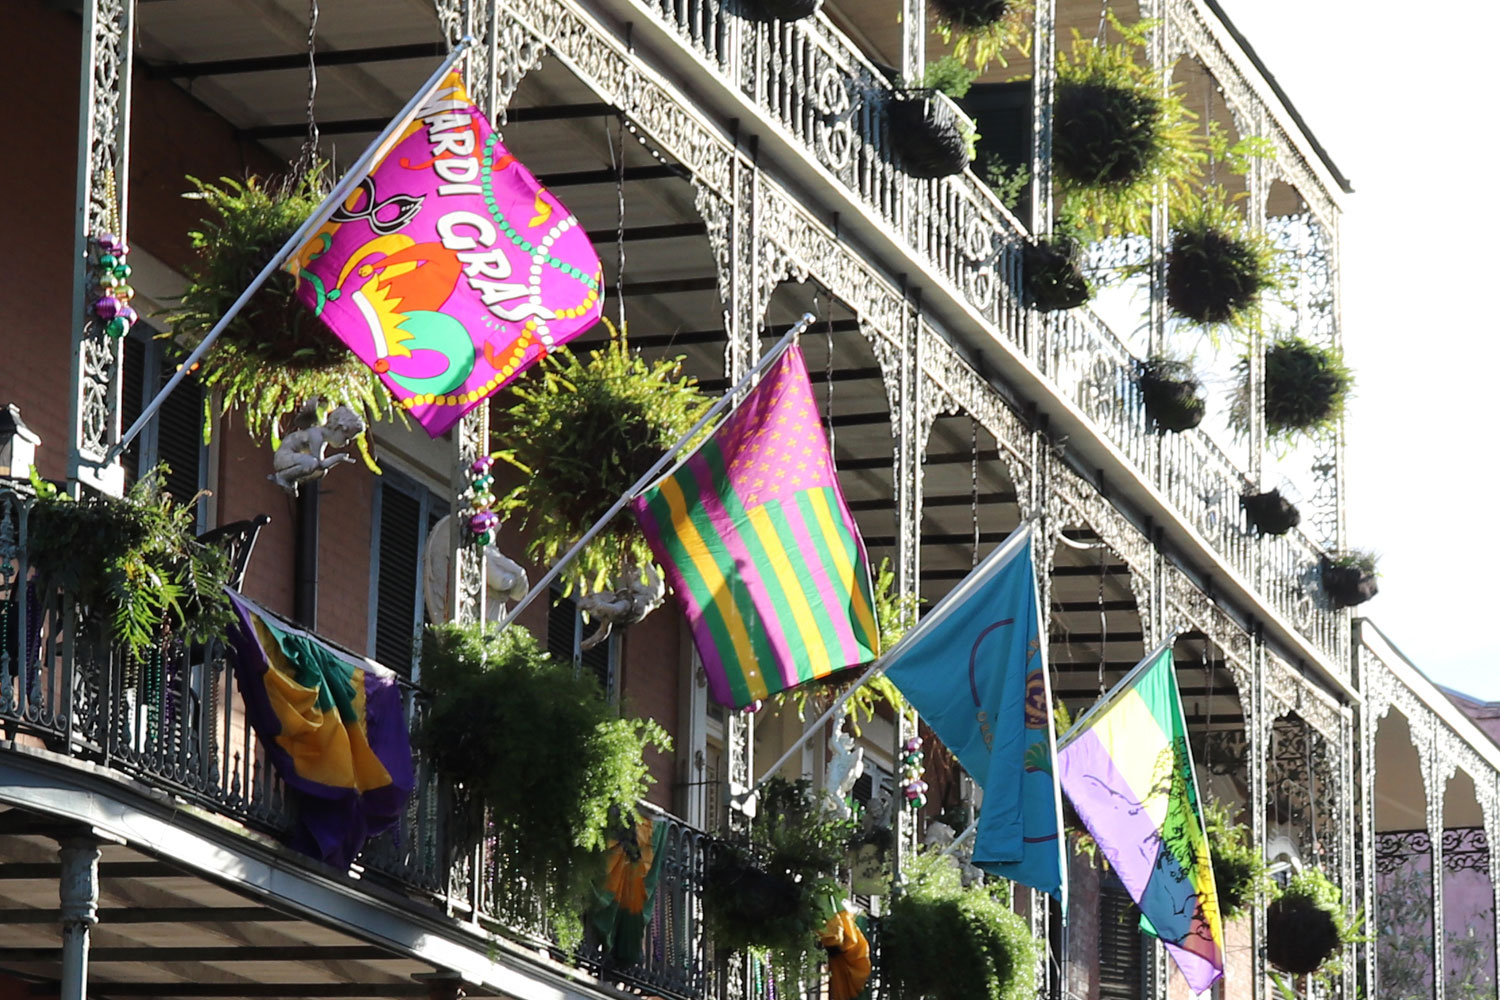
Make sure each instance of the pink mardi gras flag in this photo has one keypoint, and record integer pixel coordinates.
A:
(449, 269)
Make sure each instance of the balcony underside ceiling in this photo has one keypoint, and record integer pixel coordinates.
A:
(165, 932)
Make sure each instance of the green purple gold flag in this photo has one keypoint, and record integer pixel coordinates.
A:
(760, 549)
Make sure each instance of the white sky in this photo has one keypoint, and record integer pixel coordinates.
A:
(1402, 96)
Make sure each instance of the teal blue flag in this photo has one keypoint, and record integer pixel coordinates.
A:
(975, 670)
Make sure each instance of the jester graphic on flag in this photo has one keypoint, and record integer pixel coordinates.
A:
(449, 269)
(760, 548)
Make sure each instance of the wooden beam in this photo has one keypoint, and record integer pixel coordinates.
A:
(640, 234)
(155, 915)
(185, 989)
(107, 869)
(294, 60)
(356, 126)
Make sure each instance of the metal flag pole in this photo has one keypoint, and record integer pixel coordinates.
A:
(657, 471)
(336, 197)
(1017, 538)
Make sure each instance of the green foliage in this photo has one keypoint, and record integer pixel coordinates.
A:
(1171, 393)
(1239, 867)
(983, 31)
(1217, 266)
(1306, 927)
(583, 432)
(1307, 389)
(1118, 132)
(950, 76)
(1007, 181)
(540, 745)
(1361, 559)
(771, 893)
(132, 562)
(275, 354)
(942, 941)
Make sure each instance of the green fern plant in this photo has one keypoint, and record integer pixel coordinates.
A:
(582, 432)
(275, 354)
(983, 31)
(1239, 867)
(1118, 132)
(130, 562)
(1306, 391)
(1217, 266)
(540, 745)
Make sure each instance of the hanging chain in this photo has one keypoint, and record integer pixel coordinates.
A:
(1103, 21)
(308, 157)
(1208, 129)
(828, 374)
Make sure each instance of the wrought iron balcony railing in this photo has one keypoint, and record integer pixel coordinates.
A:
(174, 721)
(814, 84)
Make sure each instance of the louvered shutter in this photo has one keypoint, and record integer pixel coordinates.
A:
(179, 438)
(398, 537)
(1121, 971)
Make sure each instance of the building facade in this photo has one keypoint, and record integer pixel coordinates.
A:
(735, 171)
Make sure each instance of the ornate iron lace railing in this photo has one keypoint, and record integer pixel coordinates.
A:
(816, 86)
(174, 721)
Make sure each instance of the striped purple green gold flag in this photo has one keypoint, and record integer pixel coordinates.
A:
(760, 549)
(1129, 772)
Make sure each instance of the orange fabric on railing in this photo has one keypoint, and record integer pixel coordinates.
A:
(848, 956)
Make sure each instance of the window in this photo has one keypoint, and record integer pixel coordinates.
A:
(405, 513)
(175, 434)
(566, 631)
(1121, 968)
(874, 783)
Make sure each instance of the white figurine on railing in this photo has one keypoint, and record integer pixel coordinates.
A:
(844, 769)
(301, 456)
(629, 604)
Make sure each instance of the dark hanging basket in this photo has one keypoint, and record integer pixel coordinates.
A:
(1300, 935)
(1349, 584)
(1104, 134)
(1213, 275)
(779, 10)
(926, 134)
(1271, 513)
(1051, 277)
(1306, 386)
(1172, 396)
(749, 906)
(969, 14)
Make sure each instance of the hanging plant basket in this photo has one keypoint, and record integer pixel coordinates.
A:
(1051, 277)
(132, 563)
(1217, 266)
(275, 354)
(1239, 867)
(981, 31)
(1118, 131)
(1270, 513)
(942, 941)
(1171, 394)
(1307, 387)
(1350, 579)
(927, 134)
(583, 431)
(1305, 925)
(779, 10)
(770, 891)
(560, 771)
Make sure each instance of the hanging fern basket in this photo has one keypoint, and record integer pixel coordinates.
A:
(1051, 277)
(1270, 513)
(1349, 580)
(926, 133)
(1301, 934)
(1105, 134)
(275, 354)
(779, 10)
(582, 431)
(1307, 387)
(967, 15)
(1216, 266)
(1172, 396)
(942, 941)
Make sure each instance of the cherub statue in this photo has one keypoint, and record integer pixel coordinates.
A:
(300, 458)
(640, 596)
(844, 769)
